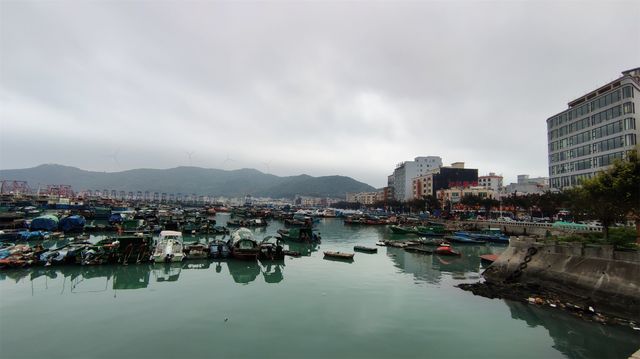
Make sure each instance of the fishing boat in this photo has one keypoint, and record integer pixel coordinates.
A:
(243, 245)
(271, 249)
(463, 238)
(430, 231)
(169, 247)
(493, 235)
(402, 230)
(381, 244)
(219, 249)
(431, 241)
(365, 249)
(446, 250)
(298, 234)
(196, 251)
(338, 255)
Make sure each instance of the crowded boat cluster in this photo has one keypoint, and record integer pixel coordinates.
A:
(154, 233)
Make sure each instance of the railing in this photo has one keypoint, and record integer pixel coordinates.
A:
(565, 227)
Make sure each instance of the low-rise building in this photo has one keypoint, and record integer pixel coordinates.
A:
(443, 178)
(455, 194)
(526, 185)
(491, 180)
(367, 198)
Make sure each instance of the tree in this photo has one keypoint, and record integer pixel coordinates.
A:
(432, 203)
(611, 195)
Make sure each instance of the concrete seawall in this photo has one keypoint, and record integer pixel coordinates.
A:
(607, 278)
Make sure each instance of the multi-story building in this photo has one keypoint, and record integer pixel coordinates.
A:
(442, 178)
(366, 197)
(405, 172)
(596, 129)
(491, 180)
(526, 185)
(455, 194)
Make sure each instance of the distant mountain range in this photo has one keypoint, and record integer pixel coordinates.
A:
(187, 180)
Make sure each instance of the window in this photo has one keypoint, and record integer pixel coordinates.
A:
(627, 92)
(628, 108)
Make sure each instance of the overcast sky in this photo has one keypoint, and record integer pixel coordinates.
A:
(323, 88)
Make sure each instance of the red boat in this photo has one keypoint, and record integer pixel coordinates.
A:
(446, 250)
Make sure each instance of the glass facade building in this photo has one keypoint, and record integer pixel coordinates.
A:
(594, 131)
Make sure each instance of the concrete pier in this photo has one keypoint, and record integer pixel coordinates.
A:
(607, 278)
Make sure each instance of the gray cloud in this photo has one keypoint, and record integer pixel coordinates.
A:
(320, 88)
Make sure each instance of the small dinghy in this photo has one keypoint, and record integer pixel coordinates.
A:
(446, 250)
(338, 255)
(365, 249)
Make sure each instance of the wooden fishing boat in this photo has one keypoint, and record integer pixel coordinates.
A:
(338, 255)
(365, 249)
(196, 251)
(243, 245)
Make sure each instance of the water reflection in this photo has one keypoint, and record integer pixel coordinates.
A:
(430, 267)
(138, 276)
(570, 334)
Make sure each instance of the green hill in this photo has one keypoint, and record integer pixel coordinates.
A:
(186, 180)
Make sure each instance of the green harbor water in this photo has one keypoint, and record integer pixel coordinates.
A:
(390, 304)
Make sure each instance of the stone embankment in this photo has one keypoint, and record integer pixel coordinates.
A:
(602, 279)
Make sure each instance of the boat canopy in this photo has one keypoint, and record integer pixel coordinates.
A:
(47, 223)
(242, 234)
(170, 235)
(72, 223)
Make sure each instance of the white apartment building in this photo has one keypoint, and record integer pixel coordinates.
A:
(526, 185)
(405, 172)
(596, 129)
(491, 180)
(365, 197)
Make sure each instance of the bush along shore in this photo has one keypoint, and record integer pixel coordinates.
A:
(594, 282)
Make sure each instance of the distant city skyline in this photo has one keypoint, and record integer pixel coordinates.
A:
(337, 88)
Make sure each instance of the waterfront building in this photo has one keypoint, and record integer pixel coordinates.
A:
(593, 131)
(443, 178)
(491, 180)
(526, 185)
(405, 172)
(455, 194)
(367, 198)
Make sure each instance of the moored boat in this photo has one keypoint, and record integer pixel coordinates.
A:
(446, 250)
(463, 238)
(219, 249)
(243, 245)
(169, 247)
(196, 251)
(365, 249)
(338, 255)
(271, 249)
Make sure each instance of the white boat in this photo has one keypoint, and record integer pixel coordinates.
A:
(169, 247)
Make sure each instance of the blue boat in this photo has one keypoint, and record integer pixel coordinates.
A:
(493, 235)
(464, 238)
